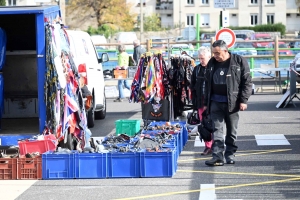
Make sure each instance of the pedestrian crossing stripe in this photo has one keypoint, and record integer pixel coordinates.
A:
(261, 140)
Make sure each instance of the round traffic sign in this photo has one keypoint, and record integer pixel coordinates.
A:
(227, 35)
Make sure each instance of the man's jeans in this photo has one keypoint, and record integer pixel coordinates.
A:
(120, 87)
(220, 115)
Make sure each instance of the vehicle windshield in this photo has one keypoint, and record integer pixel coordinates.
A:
(243, 45)
(157, 45)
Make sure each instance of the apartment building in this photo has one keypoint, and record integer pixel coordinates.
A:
(183, 13)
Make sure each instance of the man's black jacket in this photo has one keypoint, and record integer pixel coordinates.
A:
(238, 80)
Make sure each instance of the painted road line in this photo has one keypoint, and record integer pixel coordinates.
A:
(217, 188)
(244, 154)
(198, 143)
(275, 139)
(207, 192)
(11, 189)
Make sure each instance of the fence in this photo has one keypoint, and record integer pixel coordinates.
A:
(281, 57)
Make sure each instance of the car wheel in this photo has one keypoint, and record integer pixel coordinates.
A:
(91, 118)
(101, 114)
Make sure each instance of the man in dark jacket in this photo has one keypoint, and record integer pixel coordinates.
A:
(229, 89)
(137, 51)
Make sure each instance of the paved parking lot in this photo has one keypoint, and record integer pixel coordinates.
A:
(267, 163)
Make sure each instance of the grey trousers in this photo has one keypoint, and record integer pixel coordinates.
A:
(220, 115)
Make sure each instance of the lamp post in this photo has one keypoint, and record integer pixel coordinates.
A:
(142, 21)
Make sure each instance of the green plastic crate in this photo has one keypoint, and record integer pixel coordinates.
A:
(127, 126)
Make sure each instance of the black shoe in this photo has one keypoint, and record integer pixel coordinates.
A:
(214, 162)
(230, 161)
(118, 100)
(207, 152)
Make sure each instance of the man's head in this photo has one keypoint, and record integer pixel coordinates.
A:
(220, 50)
(204, 55)
(136, 43)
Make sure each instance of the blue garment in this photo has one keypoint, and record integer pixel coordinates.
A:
(219, 98)
(120, 87)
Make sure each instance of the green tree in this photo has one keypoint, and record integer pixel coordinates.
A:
(114, 13)
(2, 3)
(152, 23)
(105, 30)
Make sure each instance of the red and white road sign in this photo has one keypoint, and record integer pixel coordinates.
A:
(227, 35)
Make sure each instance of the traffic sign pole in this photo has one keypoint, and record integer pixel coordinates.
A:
(197, 30)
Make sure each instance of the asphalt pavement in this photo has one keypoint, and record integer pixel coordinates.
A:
(267, 163)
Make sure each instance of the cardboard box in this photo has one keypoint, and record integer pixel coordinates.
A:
(120, 73)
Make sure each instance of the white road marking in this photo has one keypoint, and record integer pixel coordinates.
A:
(275, 139)
(11, 189)
(198, 143)
(209, 194)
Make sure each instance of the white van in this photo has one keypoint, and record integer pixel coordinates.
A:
(126, 37)
(84, 53)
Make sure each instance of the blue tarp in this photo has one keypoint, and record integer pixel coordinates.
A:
(2, 61)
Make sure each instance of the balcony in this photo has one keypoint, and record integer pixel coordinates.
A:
(164, 8)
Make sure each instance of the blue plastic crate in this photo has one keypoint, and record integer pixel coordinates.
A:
(185, 134)
(123, 165)
(158, 164)
(91, 165)
(58, 166)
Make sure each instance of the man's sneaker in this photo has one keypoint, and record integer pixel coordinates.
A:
(230, 161)
(214, 162)
(206, 152)
(118, 100)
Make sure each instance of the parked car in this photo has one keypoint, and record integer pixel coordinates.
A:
(295, 45)
(177, 49)
(207, 36)
(158, 46)
(244, 48)
(283, 45)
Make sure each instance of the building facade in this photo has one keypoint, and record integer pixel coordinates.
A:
(183, 13)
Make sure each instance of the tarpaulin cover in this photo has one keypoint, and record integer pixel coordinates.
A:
(2, 61)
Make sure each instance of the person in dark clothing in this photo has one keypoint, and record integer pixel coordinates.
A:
(137, 51)
(229, 89)
(198, 87)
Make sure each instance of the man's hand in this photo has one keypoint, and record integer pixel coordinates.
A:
(243, 106)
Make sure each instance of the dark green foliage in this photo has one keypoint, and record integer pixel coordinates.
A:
(2, 3)
(279, 27)
(105, 30)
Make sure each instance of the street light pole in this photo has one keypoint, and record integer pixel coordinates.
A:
(142, 21)
(180, 16)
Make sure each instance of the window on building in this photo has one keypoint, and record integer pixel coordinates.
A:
(270, 1)
(288, 14)
(253, 19)
(12, 2)
(298, 15)
(190, 2)
(204, 19)
(253, 1)
(233, 15)
(190, 20)
(270, 18)
(205, 2)
(169, 15)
